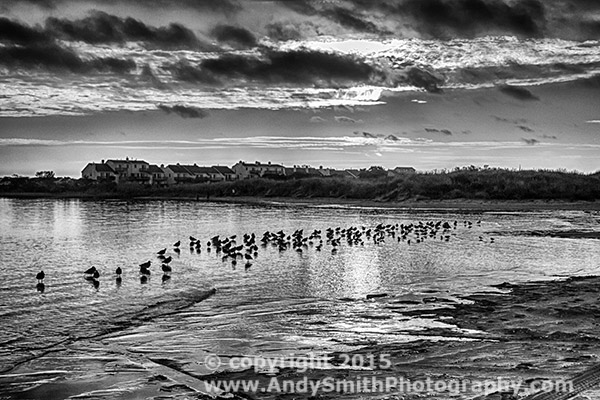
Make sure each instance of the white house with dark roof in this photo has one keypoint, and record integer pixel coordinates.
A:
(157, 175)
(245, 170)
(99, 172)
(129, 170)
(400, 171)
(176, 173)
(225, 173)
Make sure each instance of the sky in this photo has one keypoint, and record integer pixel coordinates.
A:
(432, 84)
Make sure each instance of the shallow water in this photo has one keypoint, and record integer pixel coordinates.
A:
(286, 302)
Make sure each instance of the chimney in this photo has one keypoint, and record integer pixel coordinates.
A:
(162, 165)
(102, 161)
(269, 162)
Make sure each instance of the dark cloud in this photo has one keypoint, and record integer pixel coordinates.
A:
(445, 18)
(234, 36)
(424, 79)
(525, 128)
(183, 71)
(518, 93)
(59, 59)
(148, 75)
(436, 18)
(446, 132)
(347, 120)
(100, 27)
(184, 111)
(284, 31)
(225, 6)
(350, 19)
(15, 32)
(298, 66)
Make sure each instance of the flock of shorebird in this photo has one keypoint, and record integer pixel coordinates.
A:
(228, 249)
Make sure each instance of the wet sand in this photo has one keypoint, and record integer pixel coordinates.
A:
(537, 330)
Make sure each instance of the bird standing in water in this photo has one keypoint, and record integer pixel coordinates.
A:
(40, 276)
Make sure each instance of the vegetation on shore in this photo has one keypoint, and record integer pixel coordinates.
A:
(467, 183)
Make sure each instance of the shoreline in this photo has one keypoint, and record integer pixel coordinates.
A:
(536, 330)
(425, 204)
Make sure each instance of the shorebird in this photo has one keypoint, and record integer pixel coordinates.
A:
(166, 268)
(167, 260)
(40, 276)
(146, 264)
(90, 270)
(118, 271)
(177, 244)
(161, 252)
(96, 274)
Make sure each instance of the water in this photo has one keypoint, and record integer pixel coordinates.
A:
(286, 302)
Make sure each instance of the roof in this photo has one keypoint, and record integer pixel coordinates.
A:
(261, 165)
(155, 169)
(223, 169)
(194, 169)
(128, 161)
(178, 169)
(103, 168)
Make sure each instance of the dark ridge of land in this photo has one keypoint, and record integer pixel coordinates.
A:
(463, 185)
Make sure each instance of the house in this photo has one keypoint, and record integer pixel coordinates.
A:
(258, 170)
(226, 173)
(340, 173)
(130, 170)
(400, 171)
(203, 174)
(157, 175)
(99, 172)
(176, 173)
(302, 171)
(353, 173)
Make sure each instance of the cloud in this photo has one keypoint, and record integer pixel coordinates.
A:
(295, 66)
(525, 128)
(234, 36)
(347, 120)
(184, 111)
(518, 93)
(226, 6)
(530, 142)
(100, 27)
(15, 32)
(446, 132)
(317, 120)
(57, 58)
(352, 20)
(434, 18)
(288, 30)
(367, 135)
(148, 75)
(183, 71)
(425, 79)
